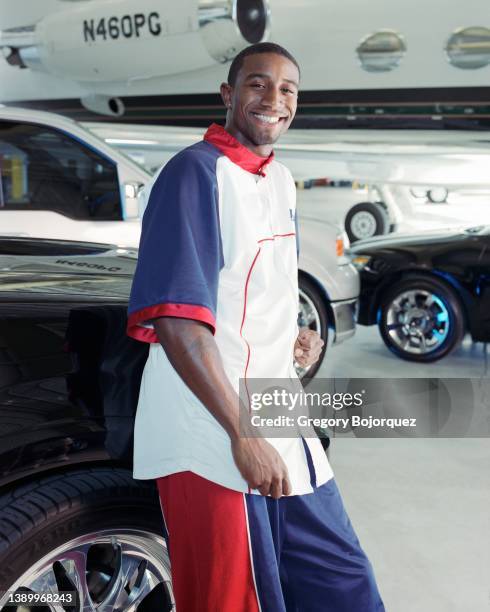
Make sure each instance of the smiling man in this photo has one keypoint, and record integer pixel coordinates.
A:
(251, 523)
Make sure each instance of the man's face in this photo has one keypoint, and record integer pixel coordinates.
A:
(263, 100)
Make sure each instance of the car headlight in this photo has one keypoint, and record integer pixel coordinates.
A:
(339, 246)
(341, 243)
(361, 261)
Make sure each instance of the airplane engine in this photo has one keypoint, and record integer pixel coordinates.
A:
(121, 40)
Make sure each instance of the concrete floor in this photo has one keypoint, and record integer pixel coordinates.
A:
(419, 506)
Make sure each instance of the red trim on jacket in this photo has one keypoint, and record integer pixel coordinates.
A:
(276, 236)
(245, 297)
(183, 311)
(235, 151)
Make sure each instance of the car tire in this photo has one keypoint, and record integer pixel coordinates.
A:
(97, 526)
(437, 195)
(365, 220)
(421, 319)
(313, 314)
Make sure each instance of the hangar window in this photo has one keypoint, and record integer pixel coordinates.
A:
(381, 51)
(43, 169)
(469, 48)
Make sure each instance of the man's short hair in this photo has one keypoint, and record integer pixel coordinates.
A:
(264, 47)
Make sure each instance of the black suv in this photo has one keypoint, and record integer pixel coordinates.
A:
(76, 531)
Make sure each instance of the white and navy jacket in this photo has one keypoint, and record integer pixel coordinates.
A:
(218, 245)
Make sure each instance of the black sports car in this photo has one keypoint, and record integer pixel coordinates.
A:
(426, 291)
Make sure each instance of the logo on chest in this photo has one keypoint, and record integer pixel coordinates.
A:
(292, 214)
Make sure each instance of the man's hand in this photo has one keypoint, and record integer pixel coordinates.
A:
(307, 347)
(261, 466)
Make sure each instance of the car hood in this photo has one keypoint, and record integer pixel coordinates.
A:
(309, 219)
(408, 239)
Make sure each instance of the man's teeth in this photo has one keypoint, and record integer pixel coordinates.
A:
(266, 118)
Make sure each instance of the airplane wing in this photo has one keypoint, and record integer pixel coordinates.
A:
(453, 159)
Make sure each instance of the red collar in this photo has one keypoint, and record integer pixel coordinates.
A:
(234, 150)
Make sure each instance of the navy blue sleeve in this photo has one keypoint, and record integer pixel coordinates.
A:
(180, 252)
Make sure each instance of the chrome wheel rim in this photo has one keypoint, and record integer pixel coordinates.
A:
(110, 570)
(417, 321)
(363, 225)
(308, 317)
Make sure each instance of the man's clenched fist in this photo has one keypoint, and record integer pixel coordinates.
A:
(307, 347)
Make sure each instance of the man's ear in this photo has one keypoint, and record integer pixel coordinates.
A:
(226, 90)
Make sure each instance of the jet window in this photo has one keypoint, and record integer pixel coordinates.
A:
(469, 48)
(381, 51)
(44, 169)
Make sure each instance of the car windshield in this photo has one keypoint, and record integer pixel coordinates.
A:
(130, 159)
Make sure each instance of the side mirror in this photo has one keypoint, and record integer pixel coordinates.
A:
(132, 192)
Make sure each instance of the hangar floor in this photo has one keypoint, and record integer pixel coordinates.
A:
(419, 506)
